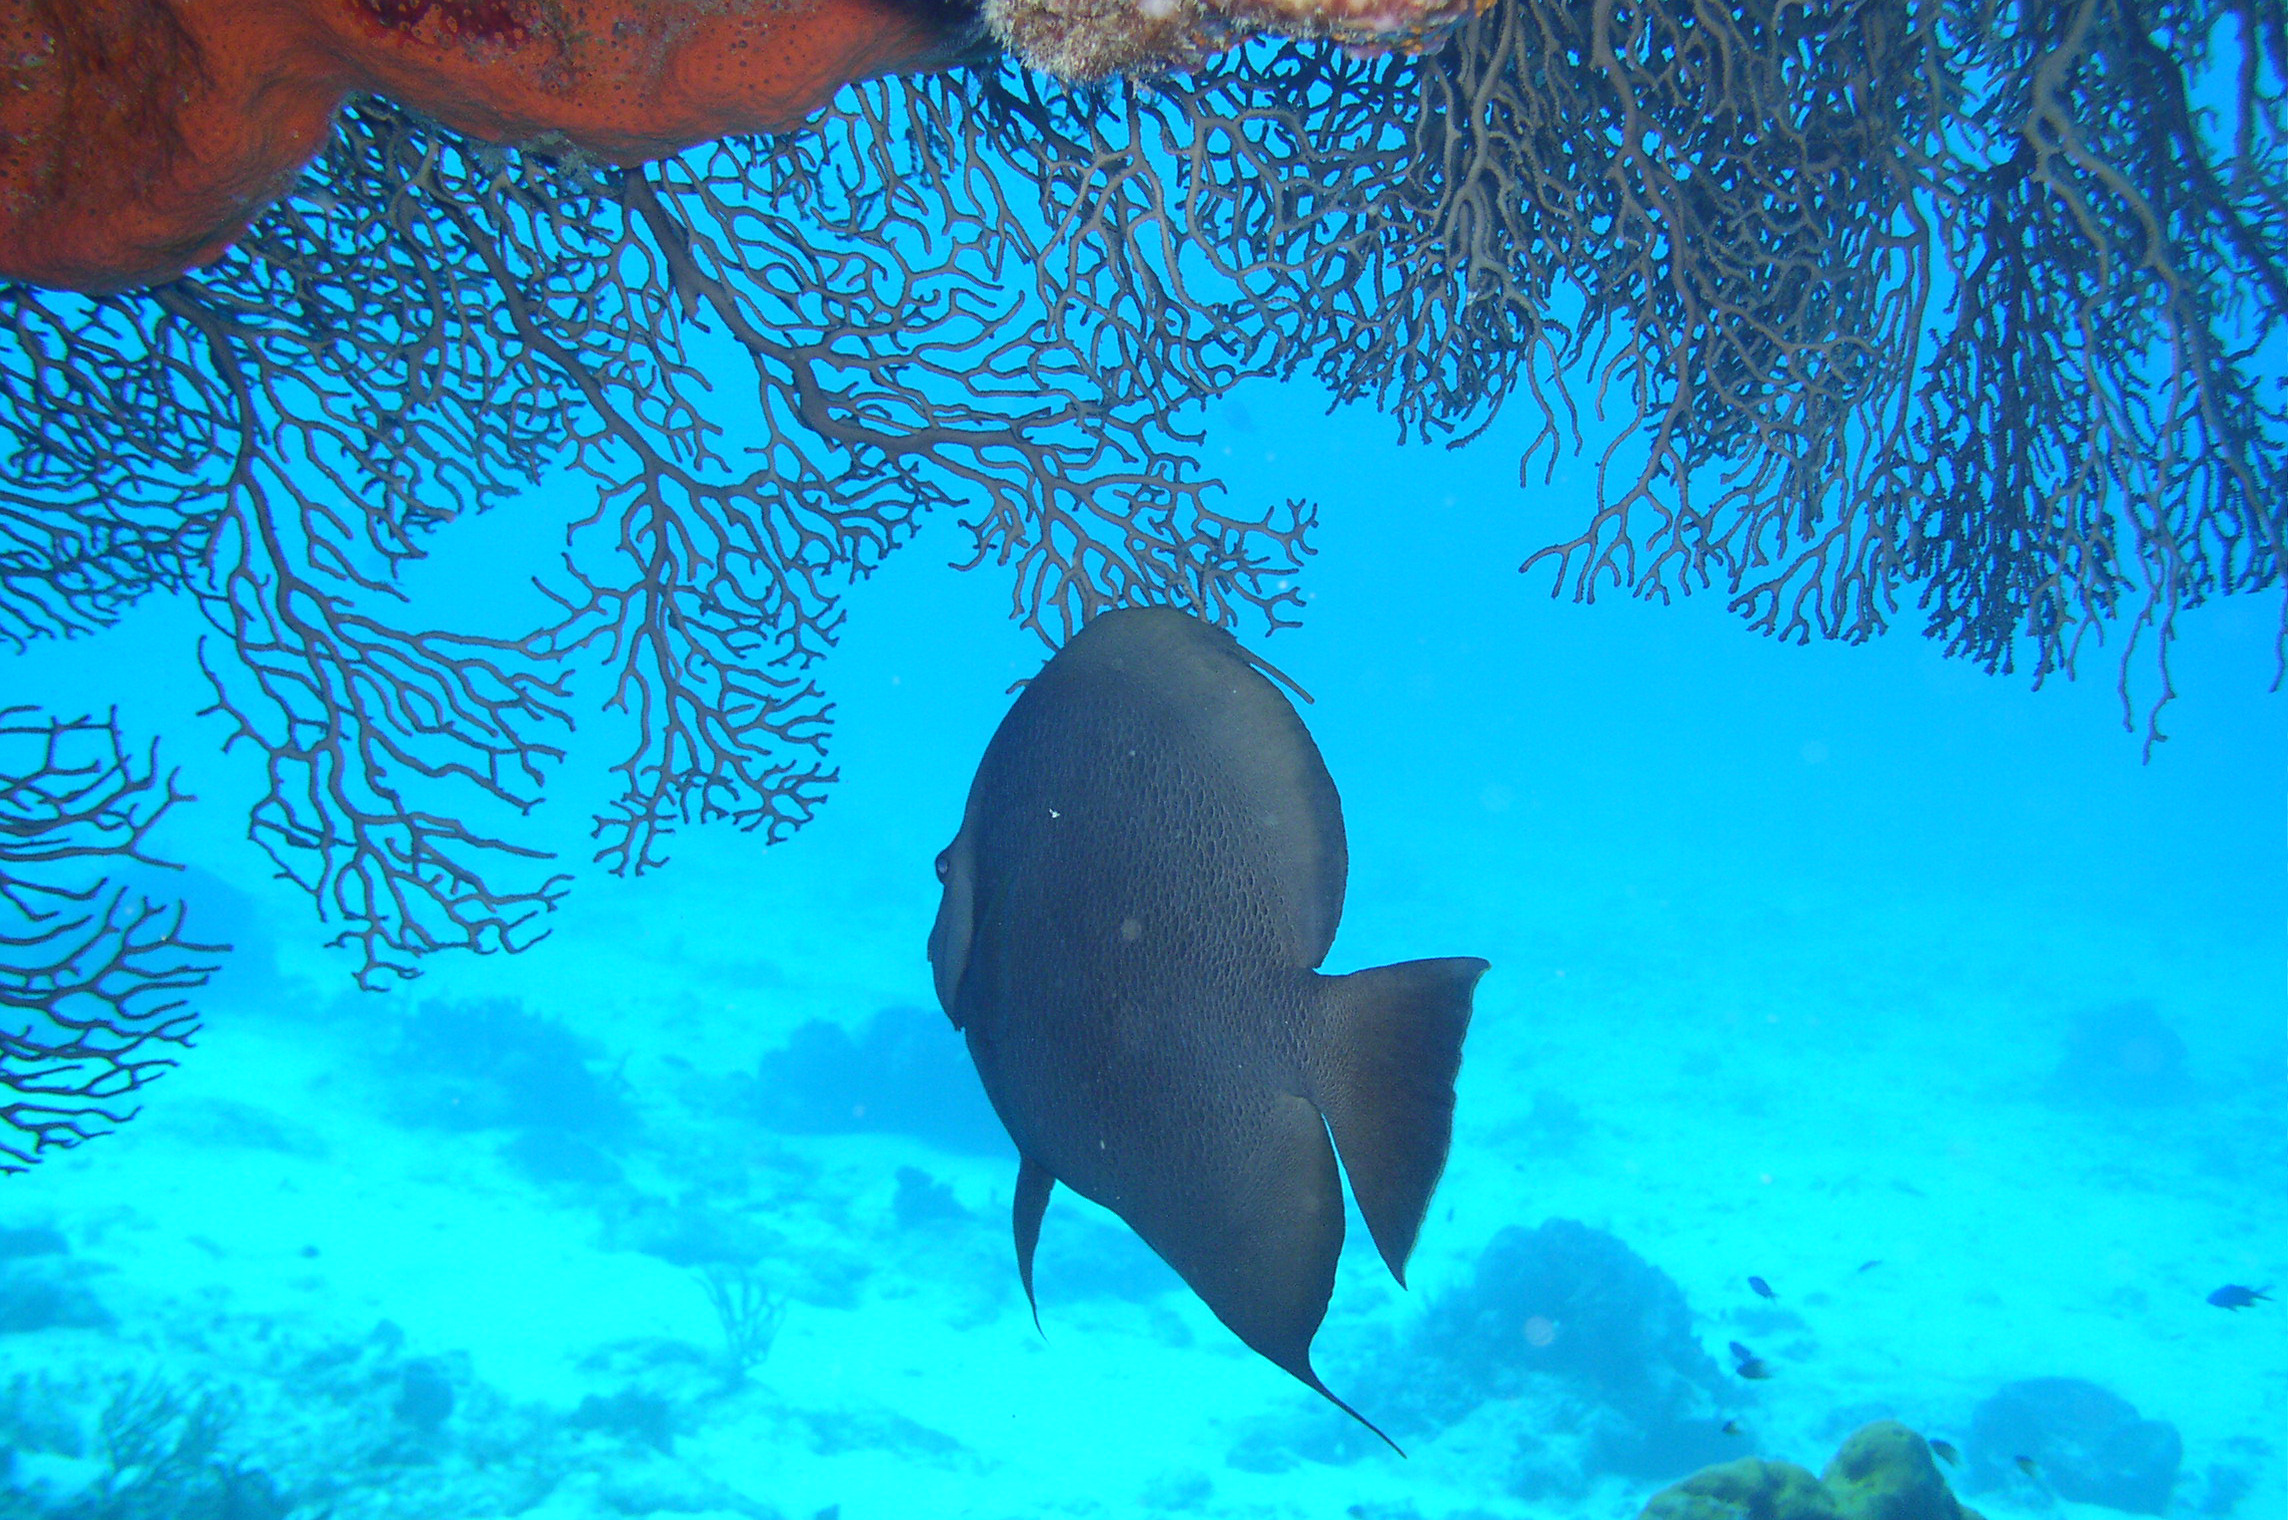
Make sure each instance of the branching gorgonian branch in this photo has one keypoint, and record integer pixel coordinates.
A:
(93, 974)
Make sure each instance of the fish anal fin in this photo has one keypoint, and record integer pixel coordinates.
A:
(1329, 1395)
(1034, 1183)
(1255, 1226)
(1383, 1062)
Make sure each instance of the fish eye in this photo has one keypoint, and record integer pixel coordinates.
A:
(944, 864)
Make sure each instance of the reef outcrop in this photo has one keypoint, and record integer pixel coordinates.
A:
(1571, 1311)
(2087, 1444)
(140, 138)
(1564, 1346)
(2122, 1056)
(1883, 1472)
(903, 1072)
(1087, 40)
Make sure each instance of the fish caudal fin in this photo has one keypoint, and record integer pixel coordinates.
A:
(1034, 1182)
(1387, 1049)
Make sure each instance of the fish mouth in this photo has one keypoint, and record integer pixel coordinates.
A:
(1084, 41)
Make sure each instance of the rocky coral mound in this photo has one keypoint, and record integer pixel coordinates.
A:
(904, 1072)
(1883, 1472)
(1565, 1347)
(2086, 1443)
(1572, 1311)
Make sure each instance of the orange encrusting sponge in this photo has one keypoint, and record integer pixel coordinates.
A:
(138, 138)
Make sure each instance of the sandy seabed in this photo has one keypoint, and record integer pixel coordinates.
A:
(1766, 1001)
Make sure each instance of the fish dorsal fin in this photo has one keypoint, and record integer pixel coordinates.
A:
(1276, 771)
(1382, 1065)
(1295, 686)
(1300, 818)
(1034, 1184)
(1161, 670)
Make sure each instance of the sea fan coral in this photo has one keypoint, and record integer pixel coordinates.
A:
(1973, 308)
(430, 324)
(1965, 307)
(93, 974)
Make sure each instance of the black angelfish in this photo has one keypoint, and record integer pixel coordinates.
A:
(1149, 869)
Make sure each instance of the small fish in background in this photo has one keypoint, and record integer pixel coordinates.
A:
(1763, 1289)
(1149, 872)
(1749, 1365)
(1740, 1353)
(1869, 1266)
(1945, 1452)
(2234, 1296)
(2029, 1467)
(1732, 1427)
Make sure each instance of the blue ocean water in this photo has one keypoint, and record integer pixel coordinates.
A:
(1917, 995)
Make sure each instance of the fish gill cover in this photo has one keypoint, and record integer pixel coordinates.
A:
(1957, 313)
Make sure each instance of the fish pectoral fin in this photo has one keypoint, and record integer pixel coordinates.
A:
(1034, 1184)
(955, 926)
(1383, 1062)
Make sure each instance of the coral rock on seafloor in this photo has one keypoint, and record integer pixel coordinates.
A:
(2087, 1443)
(2124, 1055)
(1570, 1313)
(1883, 1472)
